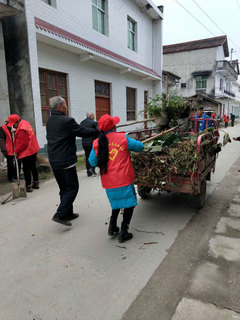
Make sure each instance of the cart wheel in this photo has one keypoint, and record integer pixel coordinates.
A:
(144, 192)
(199, 199)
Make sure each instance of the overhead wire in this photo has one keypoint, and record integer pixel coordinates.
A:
(195, 18)
(238, 4)
(215, 23)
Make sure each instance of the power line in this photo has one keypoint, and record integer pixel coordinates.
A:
(194, 17)
(215, 23)
(238, 4)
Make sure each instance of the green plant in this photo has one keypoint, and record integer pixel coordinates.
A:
(154, 107)
(175, 106)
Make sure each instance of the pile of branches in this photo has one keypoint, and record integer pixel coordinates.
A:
(164, 157)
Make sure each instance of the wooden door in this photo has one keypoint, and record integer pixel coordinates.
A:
(102, 98)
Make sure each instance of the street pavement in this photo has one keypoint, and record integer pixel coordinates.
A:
(51, 272)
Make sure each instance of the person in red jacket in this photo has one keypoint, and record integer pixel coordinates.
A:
(111, 153)
(25, 148)
(226, 120)
(6, 145)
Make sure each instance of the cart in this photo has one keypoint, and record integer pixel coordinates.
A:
(192, 183)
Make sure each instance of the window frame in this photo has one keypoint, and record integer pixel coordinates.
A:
(200, 80)
(130, 118)
(133, 33)
(51, 3)
(102, 11)
(46, 94)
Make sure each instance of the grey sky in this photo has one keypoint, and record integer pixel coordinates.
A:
(180, 26)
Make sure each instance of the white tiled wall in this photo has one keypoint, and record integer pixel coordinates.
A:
(76, 17)
(81, 77)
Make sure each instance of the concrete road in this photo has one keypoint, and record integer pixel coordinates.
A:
(51, 272)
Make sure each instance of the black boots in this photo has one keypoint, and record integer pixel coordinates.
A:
(112, 230)
(124, 235)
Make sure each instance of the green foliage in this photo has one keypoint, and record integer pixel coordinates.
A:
(173, 106)
(154, 107)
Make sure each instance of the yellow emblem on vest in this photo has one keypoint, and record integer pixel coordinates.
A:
(113, 154)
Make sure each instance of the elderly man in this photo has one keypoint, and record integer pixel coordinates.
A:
(88, 141)
(61, 136)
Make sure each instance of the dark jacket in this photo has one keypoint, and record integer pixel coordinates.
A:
(61, 136)
(88, 123)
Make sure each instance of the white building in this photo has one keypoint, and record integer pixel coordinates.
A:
(206, 76)
(103, 56)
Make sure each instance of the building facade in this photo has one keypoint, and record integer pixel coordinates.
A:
(206, 76)
(7, 9)
(100, 55)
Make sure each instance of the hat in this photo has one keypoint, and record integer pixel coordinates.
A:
(12, 119)
(106, 122)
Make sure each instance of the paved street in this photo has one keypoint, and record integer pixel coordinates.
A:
(53, 272)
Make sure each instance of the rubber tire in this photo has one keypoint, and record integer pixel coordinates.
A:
(144, 192)
(198, 200)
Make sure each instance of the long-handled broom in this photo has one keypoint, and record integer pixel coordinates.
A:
(18, 190)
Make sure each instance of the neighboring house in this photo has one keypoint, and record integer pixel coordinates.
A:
(170, 82)
(100, 55)
(7, 8)
(206, 77)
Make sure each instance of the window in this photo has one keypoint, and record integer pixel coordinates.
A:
(183, 85)
(99, 15)
(51, 84)
(132, 26)
(201, 82)
(52, 3)
(102, 98)
(131, 104)
(221, 84)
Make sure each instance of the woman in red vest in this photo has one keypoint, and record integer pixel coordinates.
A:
(26, 148)
(111, 153)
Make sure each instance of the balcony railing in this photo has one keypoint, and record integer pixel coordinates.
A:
(225, 66)
(229, 93)
(224, 93)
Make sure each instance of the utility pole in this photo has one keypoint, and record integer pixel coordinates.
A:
(231, 55)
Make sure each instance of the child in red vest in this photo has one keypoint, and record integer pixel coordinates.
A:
(111, 153)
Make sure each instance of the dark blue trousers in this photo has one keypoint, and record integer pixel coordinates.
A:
(67, 180)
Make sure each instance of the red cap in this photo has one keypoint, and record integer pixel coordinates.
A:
(106, 122)
(12, 119)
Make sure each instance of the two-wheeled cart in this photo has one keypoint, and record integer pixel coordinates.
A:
(192, 182)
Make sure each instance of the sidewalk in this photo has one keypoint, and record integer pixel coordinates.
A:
(214, 288)
(199, 279)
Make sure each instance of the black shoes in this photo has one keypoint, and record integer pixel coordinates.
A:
(62, 221)
(112, 230)
(124, 235)
(35, 185)
(91, 172)
(29, 189)
(73, 216)
(66, 221)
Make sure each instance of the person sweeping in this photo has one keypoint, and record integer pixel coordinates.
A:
(111, 153)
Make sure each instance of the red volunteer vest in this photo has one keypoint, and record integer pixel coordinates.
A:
(8, 142)
(120, 171)
(33, 146)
